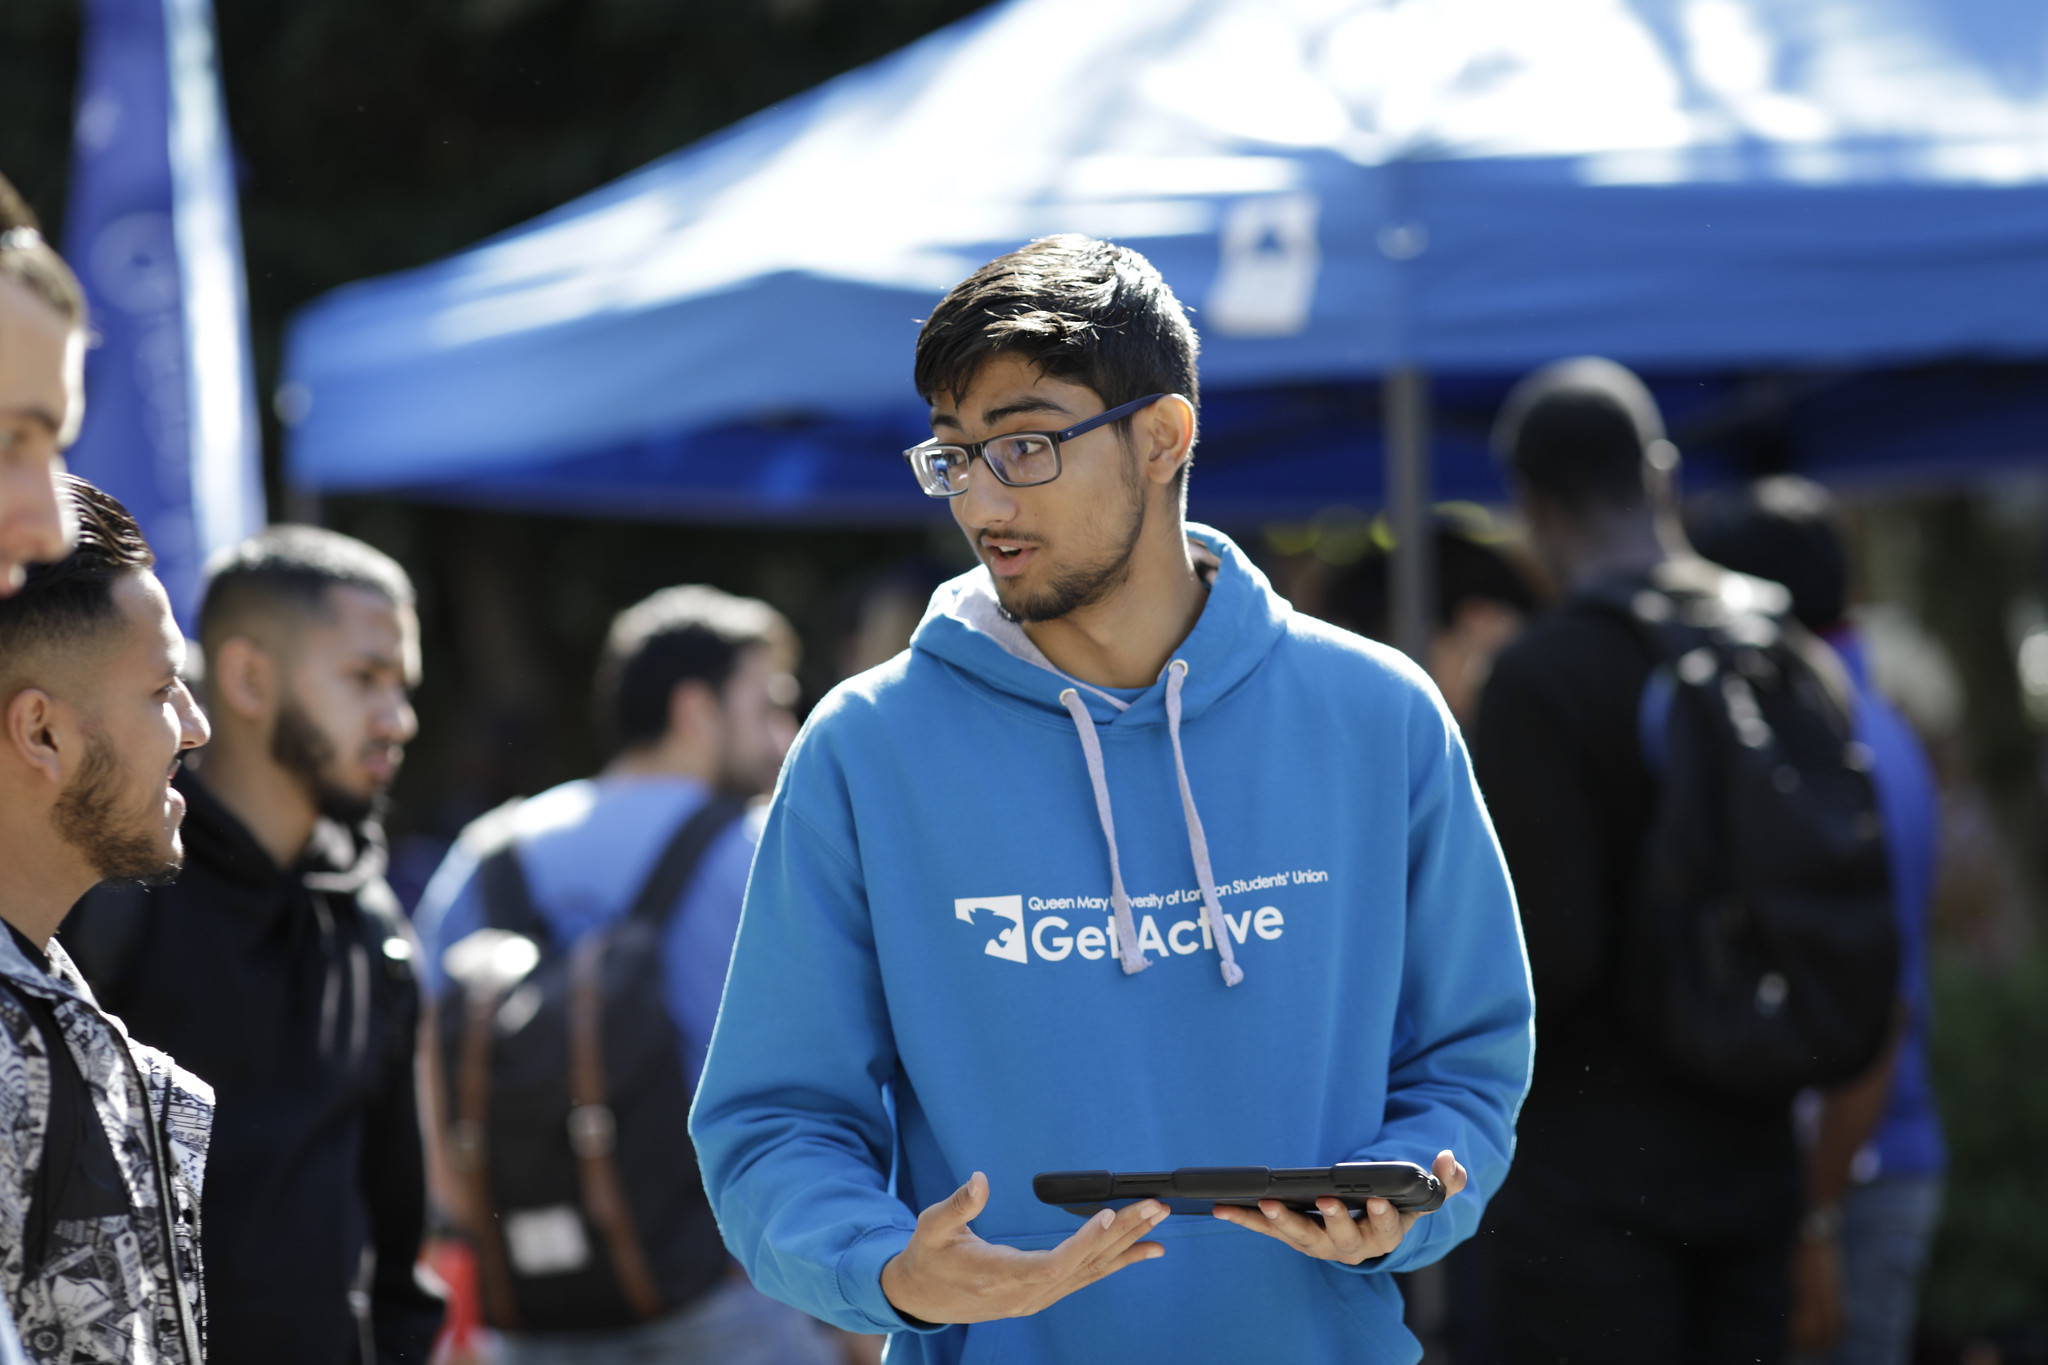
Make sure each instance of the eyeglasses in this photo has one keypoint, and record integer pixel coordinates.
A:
(1020, 459)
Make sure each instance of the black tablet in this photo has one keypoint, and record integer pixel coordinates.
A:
(1198, 1189)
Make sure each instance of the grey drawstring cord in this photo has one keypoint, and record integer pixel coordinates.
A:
(1198, 842)
(1128, 952)
(1127, 949)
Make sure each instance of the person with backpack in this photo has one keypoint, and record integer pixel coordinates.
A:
(576, 946)
(1123, 866)
(1673, 768)
(279, 965)
(103, 1139)
(1876, 1158)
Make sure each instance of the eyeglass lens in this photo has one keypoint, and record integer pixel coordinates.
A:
(1016, 460)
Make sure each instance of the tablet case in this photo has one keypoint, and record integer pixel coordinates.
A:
(1198, 1189)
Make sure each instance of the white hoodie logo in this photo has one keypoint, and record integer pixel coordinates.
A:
(1008, 944)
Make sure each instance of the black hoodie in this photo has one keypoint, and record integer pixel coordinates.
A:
(292, 992)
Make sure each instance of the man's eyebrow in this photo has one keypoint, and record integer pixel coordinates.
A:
(1018, 407)
(41, 416)
(1004, 411)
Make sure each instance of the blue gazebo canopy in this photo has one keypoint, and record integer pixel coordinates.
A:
(1829, 216)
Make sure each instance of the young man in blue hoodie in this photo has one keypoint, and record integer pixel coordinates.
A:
(1122, 865)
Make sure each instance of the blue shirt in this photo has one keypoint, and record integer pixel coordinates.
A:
(1908, 1140)
(587, 847)
(932, 917)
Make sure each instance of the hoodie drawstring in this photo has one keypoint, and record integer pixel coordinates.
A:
(1198, 842)
(1129, 953)
(1127, 950)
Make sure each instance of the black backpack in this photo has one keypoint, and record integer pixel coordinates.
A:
(568, 1104)
(1760, 955)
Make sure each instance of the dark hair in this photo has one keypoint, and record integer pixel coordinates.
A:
(29, 261)
(1079, 309)
(1578, 432)
(61, 602)
(1466, 570)
(1786, 529)
(284, 573)
(677, 635)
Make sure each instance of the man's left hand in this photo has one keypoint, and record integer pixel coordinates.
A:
(1340, 1237)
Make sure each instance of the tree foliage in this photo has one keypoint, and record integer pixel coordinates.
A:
(374, 135)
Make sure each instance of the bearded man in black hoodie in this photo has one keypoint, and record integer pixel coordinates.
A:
(278, 966)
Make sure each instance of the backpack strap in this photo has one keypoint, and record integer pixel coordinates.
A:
(469, 1155)
(678, 862)
(593, 1129)
(501, 880)
(1653, 718)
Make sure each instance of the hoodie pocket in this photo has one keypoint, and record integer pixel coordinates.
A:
(1373, 1303)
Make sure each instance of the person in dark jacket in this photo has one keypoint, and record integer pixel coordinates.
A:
(1646, 1219)
(279, 966)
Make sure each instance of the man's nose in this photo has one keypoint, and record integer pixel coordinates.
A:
(987, 502)
(394, 719)
(33, 527)
(193, 727)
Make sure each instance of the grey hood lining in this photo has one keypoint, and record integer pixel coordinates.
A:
(976, 606)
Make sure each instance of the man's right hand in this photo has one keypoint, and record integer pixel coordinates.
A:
(947, 1274)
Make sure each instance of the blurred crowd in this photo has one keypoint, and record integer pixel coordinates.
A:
(463, 1134)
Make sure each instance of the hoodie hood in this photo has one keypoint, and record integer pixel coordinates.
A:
(1240, 625)
(336, 859)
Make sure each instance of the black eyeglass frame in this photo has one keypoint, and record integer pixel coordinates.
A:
(975, 450)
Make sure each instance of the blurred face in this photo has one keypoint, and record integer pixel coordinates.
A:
(118, 808)
(758, 723)
(345, 714)
(42, 363)
(1054, 547)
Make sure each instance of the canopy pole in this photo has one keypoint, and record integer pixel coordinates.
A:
(1405, 413)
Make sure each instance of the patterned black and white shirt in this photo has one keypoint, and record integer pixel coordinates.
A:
(120, 1289)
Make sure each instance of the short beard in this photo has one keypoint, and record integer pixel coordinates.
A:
(302, 748)
(88, 818)
(1084, 585)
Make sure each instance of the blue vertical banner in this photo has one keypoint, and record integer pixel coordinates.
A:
(153, 232)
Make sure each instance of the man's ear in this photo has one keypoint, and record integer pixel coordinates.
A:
(693, 710)
(1166, 433)
(242, 678)
(41, 734)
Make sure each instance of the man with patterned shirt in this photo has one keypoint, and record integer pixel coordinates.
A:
(102, 1140)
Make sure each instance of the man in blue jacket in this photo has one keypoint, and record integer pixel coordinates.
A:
(1122, 865)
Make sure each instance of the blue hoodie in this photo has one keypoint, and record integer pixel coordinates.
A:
(929, 979)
